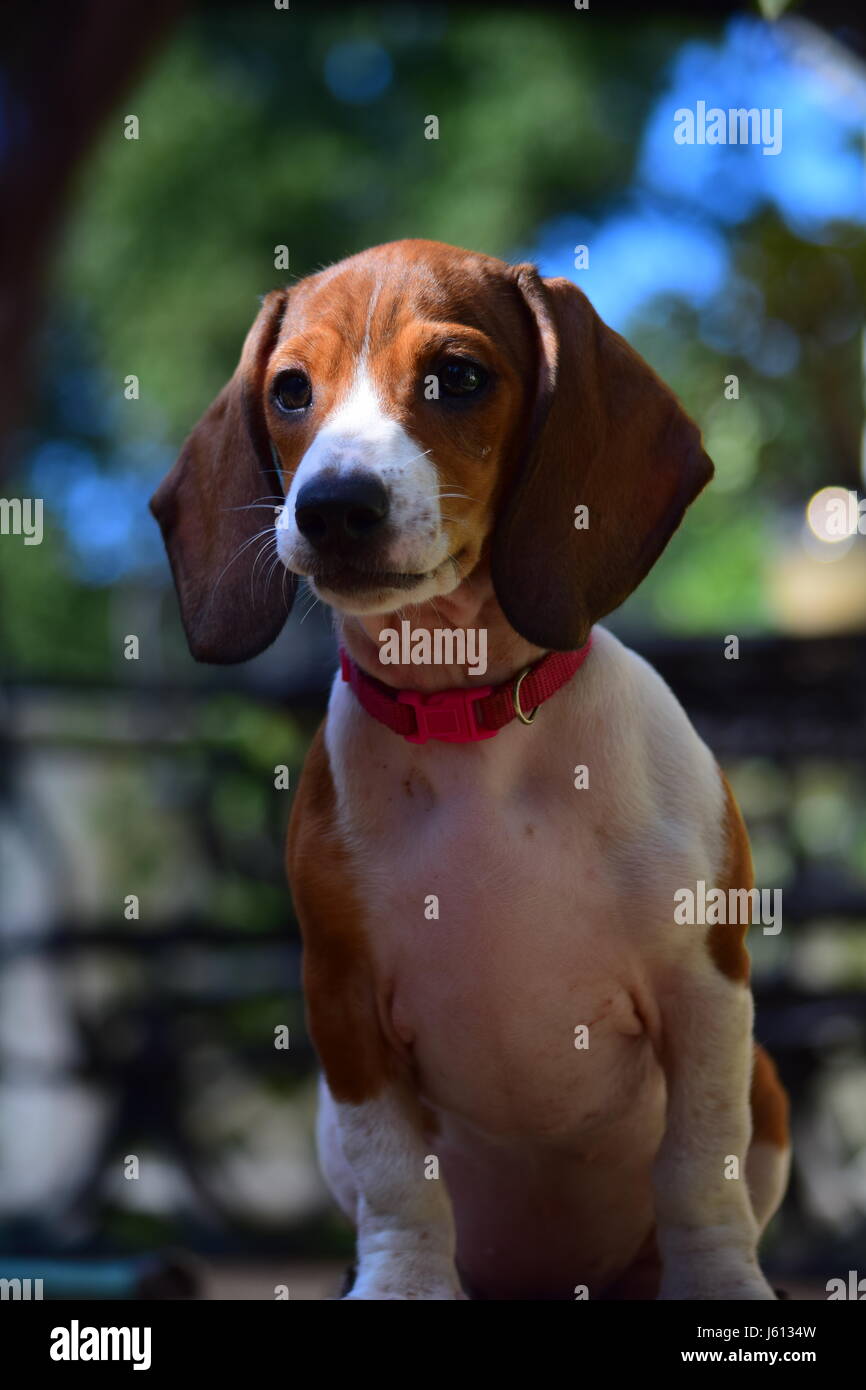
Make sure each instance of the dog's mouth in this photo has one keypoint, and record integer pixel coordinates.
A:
(350, 580)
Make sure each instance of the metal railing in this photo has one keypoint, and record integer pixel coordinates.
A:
(784, 702)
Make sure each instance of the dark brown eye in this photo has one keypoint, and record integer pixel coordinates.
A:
(459, 376)
(292, 390)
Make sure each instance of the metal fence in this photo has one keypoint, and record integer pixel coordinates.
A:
(185, 987)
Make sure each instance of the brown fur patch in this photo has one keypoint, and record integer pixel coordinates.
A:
(769, 1102)
(727, 942)
(338, 975)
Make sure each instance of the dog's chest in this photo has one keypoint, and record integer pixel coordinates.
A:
(501, 957)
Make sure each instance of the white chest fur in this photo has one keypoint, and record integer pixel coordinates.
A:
(519, 922)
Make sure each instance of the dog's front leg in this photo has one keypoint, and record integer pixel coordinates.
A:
(707, 1233)
(371, 1131)
(375, 1155)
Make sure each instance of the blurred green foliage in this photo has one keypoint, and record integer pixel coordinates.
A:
(243, 148)
(245, 145)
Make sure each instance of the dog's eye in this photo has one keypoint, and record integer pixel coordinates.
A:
(292, 390)
(461, 377)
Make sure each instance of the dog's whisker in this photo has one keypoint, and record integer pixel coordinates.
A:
(461, 574)
(265, 551)
(422, 453)
(310, 606)
(270, 574)
(247, 543)
(267, 555)
(435, 607)
(251, 507)
(262, 553)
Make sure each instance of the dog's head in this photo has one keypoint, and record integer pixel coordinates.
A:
(406, 414)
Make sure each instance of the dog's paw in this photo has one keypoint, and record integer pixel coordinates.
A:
(716, 1283)
(385, 1292)
(406, 1279)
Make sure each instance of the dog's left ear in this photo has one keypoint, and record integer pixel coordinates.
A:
(216, 509)
(605, 434)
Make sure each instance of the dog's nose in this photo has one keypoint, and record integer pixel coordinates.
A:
(332, 512)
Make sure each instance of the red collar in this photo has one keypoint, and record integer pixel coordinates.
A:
(463, 715)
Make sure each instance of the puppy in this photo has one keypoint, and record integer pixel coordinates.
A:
(536, 1083)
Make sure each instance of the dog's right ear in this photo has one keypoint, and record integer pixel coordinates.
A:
(217, 508)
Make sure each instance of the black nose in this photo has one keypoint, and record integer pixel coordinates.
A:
(332, 512)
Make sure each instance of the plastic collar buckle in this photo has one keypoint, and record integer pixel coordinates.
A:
(447, 716)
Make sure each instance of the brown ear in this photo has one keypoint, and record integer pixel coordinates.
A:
(606, 433)
(212, 504)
